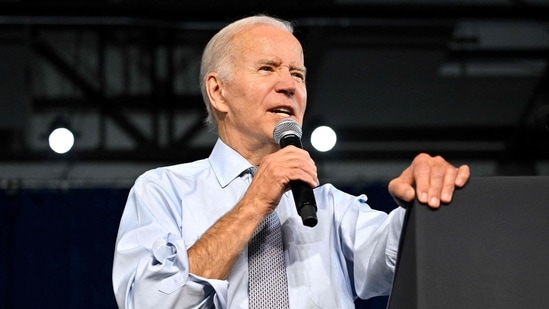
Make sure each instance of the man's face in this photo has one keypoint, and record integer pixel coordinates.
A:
(267, 84)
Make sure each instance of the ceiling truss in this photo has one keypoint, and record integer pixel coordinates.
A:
(165, 52)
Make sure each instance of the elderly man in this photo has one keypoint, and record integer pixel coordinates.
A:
(186, 238)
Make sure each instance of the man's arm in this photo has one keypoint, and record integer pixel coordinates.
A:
(150, 266)
(215, 253)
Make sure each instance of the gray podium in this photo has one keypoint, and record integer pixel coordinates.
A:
(488, 249)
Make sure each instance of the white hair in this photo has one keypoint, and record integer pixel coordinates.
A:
(219, 51)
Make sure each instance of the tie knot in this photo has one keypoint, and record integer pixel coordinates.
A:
(251, 170)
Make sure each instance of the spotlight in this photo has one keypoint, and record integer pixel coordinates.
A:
(323, 138)
(61, 139)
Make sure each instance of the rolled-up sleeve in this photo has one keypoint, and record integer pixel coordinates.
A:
(151, 267)
(372, 246)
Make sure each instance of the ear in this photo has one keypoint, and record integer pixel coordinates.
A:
(214, 88)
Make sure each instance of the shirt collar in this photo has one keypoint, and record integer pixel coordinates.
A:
(226, 163)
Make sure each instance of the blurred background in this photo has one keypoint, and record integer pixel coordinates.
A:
(465, 79)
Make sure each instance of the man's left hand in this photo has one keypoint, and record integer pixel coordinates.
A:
(431, 179)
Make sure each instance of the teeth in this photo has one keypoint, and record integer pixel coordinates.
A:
(282, 111)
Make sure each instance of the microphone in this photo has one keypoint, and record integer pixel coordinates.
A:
(288, 132)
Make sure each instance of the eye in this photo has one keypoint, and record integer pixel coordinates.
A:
(266, 68)
(299, 75)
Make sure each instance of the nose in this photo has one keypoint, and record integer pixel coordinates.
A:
(286, 83)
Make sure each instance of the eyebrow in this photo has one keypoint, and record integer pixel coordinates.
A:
(277, 63)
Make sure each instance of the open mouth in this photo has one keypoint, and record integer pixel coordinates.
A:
(282, 111)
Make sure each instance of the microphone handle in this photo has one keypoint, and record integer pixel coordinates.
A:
(304, 198)
(304, 202)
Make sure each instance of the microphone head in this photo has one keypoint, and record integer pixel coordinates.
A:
(284, 127)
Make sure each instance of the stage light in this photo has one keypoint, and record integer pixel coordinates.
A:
(323, 138)
(61, 139)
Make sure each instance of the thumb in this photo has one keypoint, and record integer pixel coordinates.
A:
(402, 190)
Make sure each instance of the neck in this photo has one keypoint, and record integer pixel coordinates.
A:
(252, 152)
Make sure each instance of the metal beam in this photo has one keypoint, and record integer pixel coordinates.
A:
(97, 98)
(181, 102)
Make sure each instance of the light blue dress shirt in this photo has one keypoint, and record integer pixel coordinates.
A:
(350, 253)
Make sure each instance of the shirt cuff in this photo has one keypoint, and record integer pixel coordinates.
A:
(220, 287)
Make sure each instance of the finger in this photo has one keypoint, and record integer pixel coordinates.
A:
(463, 175)
(303, 168)
(436, 184)
(422, 177)
(402, 186)
(293, 163)
(401, 190)
(449, 184)
(313, 172)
